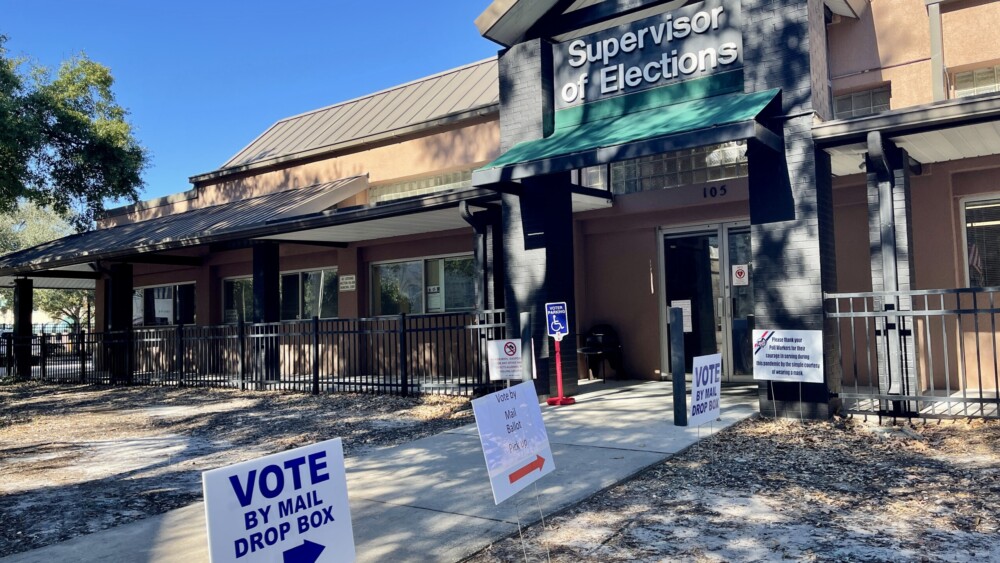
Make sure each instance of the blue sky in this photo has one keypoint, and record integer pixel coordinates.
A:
(203, 79)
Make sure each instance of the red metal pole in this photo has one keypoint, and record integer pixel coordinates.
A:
(560, 400)
(559, 370)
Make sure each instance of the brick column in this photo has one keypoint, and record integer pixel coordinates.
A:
(23, 306)
(890, 235)
(791, 196)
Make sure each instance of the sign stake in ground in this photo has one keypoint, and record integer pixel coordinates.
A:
(557, 323)
(289, 507)
(514, 440)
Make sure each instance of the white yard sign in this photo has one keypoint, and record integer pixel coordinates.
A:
(788, 355)
(706, 392)
(289, 507)
(504, 358)
(514, 440)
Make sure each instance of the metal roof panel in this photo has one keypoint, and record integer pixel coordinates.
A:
(451, 92)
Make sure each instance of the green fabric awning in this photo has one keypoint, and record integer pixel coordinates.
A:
(600, 133)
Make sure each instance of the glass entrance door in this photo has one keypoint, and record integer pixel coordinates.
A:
(708, 274)
(739, 301)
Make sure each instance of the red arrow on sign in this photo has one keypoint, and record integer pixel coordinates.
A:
(519, 474)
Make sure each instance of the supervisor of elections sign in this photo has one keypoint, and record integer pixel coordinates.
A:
(788, 355)
(288, 507)
(514, 440)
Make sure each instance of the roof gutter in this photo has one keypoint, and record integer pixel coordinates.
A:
(938, 115)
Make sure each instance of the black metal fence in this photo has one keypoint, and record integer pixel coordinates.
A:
(928, 353)
(403, 355)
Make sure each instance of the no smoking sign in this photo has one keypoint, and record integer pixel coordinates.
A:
(504, 358)
(741, 274)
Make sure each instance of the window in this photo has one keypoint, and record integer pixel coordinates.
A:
(237, 300)
(861, 103)
(978, 81)
(982, 236)
(594, 177)
(433, 285)
(163, 305)
(305, 295)
(680, 168)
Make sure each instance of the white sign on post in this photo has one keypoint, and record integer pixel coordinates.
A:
(707, 389)
(291, 506)
(514, 440)
(788, 355)
(504, 358)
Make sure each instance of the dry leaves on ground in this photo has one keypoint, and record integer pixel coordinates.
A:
(78, 459)
(782, 490)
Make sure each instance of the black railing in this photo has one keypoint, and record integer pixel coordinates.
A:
(927, 353)
(404, 354)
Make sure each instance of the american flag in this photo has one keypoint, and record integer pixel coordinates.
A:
(975, 259)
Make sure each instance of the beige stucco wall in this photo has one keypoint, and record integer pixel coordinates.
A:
(937, 198)
(355, 259)
(459, 148)
(622, 288)
(889, 43)
(938, 244)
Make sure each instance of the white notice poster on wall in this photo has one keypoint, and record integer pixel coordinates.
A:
(685, 306)
(788, 355)
(348, 282)
(741, 275)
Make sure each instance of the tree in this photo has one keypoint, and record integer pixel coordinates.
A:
(71, 305)
(65, 142)
(30, 225)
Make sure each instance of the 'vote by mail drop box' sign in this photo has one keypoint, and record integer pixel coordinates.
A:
(287, 507)
(706, 373)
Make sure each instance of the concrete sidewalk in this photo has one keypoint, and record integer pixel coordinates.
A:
(430, 500)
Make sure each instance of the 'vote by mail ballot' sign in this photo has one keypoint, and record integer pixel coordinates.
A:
(514, 440)
(288, 507)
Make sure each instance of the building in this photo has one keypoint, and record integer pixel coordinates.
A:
(623, 157)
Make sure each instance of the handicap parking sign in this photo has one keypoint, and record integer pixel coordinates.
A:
(557, 320)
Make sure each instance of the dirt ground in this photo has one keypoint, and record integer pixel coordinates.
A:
(78, 459)
(844, 490)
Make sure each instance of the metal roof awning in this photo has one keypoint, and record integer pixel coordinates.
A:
(931, 133)
(634, 126)
(80, 276)
(181, 230)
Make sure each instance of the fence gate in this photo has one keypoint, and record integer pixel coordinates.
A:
(926, 353)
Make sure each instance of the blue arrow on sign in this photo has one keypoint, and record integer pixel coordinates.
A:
(308, 552)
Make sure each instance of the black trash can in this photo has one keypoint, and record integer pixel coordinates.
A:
(600, 344)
